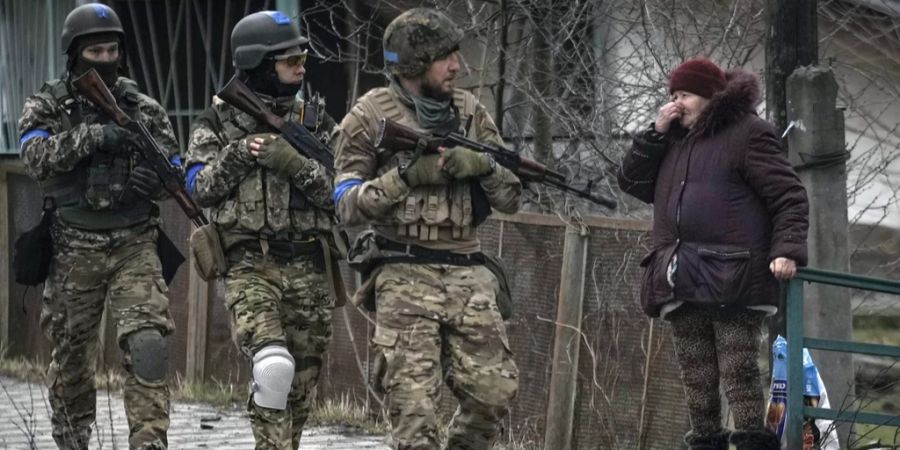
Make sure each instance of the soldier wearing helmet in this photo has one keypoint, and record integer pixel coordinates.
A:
(105, 235)
(428, 280)
(274, 215)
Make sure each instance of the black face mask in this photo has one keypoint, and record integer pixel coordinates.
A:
(108, 71)
(264, 80)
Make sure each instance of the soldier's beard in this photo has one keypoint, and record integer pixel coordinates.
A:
(431, 91)
(108, 71)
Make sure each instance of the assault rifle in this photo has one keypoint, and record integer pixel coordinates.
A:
(395, 136)
(237, 94)
(91, 86)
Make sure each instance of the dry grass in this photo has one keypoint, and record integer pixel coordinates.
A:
(215, 392)
(345, 411)
(22, 368)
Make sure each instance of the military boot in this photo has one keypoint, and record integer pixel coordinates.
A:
(714, 441)
(755, 440)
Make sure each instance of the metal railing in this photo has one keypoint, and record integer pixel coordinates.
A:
(796, 410)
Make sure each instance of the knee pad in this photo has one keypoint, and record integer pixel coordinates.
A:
(149, 355)
(273, 372)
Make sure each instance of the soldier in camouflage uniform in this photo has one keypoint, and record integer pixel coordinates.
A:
(422, 207)
(105, 230)
(271, 207)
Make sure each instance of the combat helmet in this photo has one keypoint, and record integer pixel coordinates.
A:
(260, 33)
(417, 38)
(91, 18)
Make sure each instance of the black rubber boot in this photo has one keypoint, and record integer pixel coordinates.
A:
(714, 441)
(755, 440)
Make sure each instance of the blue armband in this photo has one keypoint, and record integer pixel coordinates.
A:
(343, 187)
(31, 135)
(191, 177)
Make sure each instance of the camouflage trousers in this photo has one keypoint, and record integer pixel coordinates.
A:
(714, 344)
(89, 270)
(285, 303)
(423, 308)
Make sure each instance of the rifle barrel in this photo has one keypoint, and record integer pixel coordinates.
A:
(598, 199)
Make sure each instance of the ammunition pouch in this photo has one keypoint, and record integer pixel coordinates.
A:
(208, 253)
(34, 250)
(370, 252)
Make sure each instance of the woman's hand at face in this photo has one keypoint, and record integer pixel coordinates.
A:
(669, 112)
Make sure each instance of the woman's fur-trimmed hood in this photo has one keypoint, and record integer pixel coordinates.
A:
(739, 98)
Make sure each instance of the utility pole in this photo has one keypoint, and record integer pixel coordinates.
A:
(791, 42)
(800, 94)
(819, 156)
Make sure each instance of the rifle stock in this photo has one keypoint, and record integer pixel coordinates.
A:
(91, 86)
(395, 136)
(94, 89)
(237, 94)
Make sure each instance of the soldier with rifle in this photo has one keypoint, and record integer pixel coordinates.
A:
(101, 193)
(270, 203)
(394, 136)
(433, 289)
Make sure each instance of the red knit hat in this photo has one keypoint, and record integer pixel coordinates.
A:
(698, 76)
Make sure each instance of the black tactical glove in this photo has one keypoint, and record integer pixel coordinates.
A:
(424, 171)
(116, 138)
(460, 162)
(145, 182)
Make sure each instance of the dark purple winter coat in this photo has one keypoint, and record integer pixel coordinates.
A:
(725, 199)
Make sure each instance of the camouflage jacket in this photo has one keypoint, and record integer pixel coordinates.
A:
(370, 190)
(60, 138)
(247, 200)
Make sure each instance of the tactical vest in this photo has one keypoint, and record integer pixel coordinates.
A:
(265, 202)
(428, 208)
(88, 197)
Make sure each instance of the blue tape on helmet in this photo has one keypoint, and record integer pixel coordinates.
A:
(279, 17)
(102, 11)
(391, 56)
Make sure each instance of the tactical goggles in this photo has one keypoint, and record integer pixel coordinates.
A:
(293, 59)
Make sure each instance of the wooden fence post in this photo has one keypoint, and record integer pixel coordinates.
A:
(567, 340)
(198, 316)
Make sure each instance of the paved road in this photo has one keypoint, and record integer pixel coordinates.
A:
(24, 412)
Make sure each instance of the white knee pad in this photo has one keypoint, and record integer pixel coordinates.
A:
(273, 371)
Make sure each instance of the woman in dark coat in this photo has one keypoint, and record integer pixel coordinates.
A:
(730, 220)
